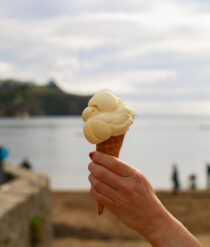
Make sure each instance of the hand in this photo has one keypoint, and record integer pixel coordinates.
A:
(128, 194)
(125, 191)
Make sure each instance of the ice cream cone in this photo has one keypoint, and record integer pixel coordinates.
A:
(106, 115)
(112, 147)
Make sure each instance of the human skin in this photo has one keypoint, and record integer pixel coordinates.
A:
(128, 194)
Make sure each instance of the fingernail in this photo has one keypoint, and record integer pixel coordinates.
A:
(91, 154)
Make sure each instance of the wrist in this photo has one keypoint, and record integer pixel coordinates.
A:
(166, 231)
(163, 229)
(157, 231)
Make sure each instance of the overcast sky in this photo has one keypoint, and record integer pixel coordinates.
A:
(154, 54)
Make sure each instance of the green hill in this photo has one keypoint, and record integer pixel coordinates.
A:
(20, 98)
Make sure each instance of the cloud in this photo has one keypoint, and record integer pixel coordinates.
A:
(5, 67)
(173, 107)
(120, 82)
(143, 49)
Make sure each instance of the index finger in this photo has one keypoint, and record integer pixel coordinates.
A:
(112, 163)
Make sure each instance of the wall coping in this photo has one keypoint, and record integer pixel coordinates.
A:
(16, 191)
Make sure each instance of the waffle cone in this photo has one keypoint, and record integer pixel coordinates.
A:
(112, 147)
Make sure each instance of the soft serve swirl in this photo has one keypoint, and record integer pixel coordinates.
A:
(106, 116)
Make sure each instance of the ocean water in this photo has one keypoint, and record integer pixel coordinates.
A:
(56, 147)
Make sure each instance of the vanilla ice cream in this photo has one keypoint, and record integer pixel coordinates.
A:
(106, 116)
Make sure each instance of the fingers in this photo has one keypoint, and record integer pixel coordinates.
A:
(102, 188)
(112, 163)
(104, 200)
(104, 175)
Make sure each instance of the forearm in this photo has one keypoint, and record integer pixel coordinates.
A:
(171, 233)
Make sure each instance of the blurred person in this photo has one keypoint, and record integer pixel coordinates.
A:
(26, 164)
(128, 194)
(192, 179)
(175, 179)
(208, 175)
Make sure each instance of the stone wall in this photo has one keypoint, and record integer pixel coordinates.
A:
(25, 210)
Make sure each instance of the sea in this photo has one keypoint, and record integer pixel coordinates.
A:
(56, 147)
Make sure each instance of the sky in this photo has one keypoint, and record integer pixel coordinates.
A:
(153, 54)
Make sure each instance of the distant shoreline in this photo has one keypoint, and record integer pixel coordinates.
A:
(41, 116)
(138, 116)
(158, 191)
